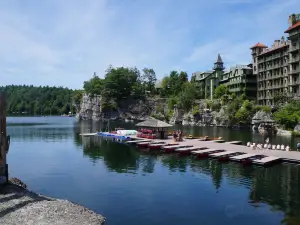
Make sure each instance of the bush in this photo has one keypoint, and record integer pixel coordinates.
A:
(289, 115)
(266, 109)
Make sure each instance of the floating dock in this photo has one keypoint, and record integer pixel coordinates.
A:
(187, 150)
(266, 160)
(221, 154)
(137, 141)
(215, 146)
(242, 157)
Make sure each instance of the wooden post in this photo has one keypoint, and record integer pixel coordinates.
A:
(4, 140)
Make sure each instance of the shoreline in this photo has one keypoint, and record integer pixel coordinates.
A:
(22, 206)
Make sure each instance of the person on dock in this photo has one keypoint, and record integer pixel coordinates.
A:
(269, 146)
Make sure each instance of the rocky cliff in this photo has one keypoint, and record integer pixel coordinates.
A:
(95, 108)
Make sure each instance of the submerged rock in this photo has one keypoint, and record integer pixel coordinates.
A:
(20, 206)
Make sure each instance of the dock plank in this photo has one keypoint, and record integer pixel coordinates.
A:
(266, 160)
(205, 151)
(189, 148)
(244, 156)
(221, 153)
(136, 141)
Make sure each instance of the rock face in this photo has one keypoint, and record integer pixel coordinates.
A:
(20, 206)
(92, 108)
(261, 116)
(297, 128)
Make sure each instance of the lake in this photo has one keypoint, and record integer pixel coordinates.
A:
(130, 187)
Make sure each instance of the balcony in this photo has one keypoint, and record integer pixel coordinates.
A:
(295, 82)
(295, 59)
(295, 71)
(294, 48)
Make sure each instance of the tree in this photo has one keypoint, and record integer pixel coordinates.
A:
(280, 99)
(220, 91)
(245, 113)
(94, 86)
(289, 115)
(149, 79)
(187, 96)
(36, 100)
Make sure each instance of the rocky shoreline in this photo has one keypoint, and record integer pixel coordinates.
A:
(21, 206)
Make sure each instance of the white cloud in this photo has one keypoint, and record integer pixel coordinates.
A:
(243, 30)
(64, 42)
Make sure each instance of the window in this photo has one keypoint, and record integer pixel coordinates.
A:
(254, 68)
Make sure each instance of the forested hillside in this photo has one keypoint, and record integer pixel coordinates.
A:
(30, 100)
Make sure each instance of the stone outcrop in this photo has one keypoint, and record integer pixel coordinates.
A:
(95, 108)
(297, 128)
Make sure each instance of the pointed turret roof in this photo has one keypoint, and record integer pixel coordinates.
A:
(219, 59)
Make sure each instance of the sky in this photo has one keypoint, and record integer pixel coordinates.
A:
(62, 43)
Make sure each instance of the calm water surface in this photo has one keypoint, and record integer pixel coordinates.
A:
(129, 187)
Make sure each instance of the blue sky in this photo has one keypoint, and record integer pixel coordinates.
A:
(61, 43)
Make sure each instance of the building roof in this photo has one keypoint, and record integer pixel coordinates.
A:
(219, 59)
(259, 45)
(152, 122)
(296, 25)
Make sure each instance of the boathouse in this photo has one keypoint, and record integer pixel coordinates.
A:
(154, 128)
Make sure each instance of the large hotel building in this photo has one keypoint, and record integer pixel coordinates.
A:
(277, 68)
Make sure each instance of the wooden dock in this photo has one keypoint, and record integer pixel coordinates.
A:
(266, 160)
(242, 157)
(206, 151)
(214, 146)
(188, 149)
(221, 154)
(137, 141)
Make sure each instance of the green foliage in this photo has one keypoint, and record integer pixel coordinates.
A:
(245, 112)
(280, 99)
(172, 85)
(120, 83)
(296, 133)
(94, 86)
(30, 100)
(187, 96)
(215, 105)
(289, 115)
(196, 110)
(149, 80)
(220, 91)
(172, 101)
(266, 109)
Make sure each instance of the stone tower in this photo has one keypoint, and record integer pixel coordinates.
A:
(217, 75)
(256, 50)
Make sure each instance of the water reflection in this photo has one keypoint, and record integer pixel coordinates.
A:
(205, 187)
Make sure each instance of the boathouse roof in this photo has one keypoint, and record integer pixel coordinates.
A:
(152, 122)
